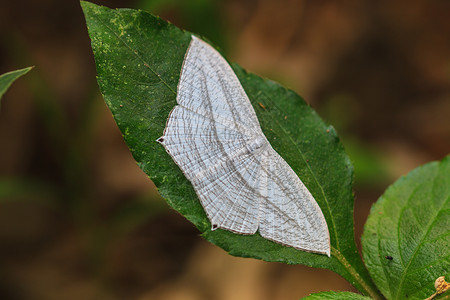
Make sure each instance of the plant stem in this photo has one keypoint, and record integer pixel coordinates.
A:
(367, 287)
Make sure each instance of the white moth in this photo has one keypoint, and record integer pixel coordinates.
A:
(214, 136)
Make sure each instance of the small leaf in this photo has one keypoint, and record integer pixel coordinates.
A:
(139, 59)
(8, 78)
(336, 296)
(406, 240)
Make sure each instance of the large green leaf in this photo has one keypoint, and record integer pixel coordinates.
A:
(336, 296)
(406, 240)
(8, 78)
(139, 59)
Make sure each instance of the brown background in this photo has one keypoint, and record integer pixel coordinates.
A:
(79, 220)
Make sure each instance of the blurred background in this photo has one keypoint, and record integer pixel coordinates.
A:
(80, 220)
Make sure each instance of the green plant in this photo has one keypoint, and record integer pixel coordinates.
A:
(139, 58)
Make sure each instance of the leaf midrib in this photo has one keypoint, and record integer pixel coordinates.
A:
(136, 54)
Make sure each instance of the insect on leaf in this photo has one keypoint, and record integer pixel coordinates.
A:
(139, 60)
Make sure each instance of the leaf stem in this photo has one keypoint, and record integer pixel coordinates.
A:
(367, 288)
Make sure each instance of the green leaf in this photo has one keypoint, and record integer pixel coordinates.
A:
(406, 241)
(336, 296)
(8, 78)
(139, 59)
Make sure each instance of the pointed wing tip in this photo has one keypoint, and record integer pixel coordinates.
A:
(322, 246)
(328, 248)
(196, 39)
(324, 251)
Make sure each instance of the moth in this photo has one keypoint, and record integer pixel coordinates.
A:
(244, 185)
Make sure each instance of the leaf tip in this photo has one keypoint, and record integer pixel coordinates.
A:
(88, 7)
